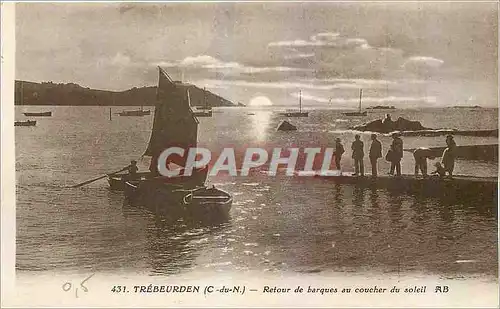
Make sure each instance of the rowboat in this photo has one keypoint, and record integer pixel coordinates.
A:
(117, 181)
(27, 123)
(208, 200)
(38, 114)
(179, 200)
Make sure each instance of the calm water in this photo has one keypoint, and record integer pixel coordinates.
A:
(277, 223)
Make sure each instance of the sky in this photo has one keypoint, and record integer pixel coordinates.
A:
(412, 54)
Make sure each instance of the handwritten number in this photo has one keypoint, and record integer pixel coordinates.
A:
(86, 279)
(66, 287)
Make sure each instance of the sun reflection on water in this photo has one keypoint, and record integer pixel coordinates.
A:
(260, 123)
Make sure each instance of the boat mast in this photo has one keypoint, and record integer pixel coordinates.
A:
(205, 98)
(22, 93)
(360, 94)
(300, 101)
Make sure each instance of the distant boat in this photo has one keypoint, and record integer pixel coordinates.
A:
(204, 111)
(467, 106)
(300, 113)
(27, 123)
(40, 114)
(139, 112)
(359, 112)
(381, 107)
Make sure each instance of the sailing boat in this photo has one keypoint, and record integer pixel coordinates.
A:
(139, 112)
(27, 123)
(300, 113)
(359, 112)
(175, 125)
(205, 111)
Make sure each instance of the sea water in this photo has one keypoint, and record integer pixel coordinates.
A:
(278, 224)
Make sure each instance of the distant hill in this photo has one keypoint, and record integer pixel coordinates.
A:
(48, 93)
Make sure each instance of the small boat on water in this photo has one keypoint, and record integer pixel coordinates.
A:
(27, 123)
(299, 113)
(117, 181)
(136, 113)
(38, 114)
(359, 112)
(381, 107)
(209, 200)
(203, 111)
(168, 194)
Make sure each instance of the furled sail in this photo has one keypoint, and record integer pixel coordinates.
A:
(174, 123)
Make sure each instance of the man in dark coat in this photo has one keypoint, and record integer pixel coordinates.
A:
(357, 155)
(396, 154)
(375, 153)
(339, 151)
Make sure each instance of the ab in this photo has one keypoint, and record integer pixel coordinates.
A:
(441, 289)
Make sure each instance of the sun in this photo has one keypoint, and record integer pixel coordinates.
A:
(260, 101)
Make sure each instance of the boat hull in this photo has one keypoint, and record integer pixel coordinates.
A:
(208, 201)
(203, 113)
(116, 183)
(135, 113)
(42, 114)
(29, 123)
(355, 114)
(296, 114)
(170, 200)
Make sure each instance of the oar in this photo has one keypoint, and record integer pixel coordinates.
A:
(95, 179)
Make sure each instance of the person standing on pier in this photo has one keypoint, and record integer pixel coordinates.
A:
(448, 158)
(339, 151)
(375, 153)
(357, 155)
(396, 154)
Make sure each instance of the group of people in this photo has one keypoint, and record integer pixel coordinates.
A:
(395, 155)
(447, 164)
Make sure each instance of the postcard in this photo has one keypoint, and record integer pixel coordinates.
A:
(250, 154)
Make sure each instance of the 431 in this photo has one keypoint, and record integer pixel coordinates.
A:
(119, 289)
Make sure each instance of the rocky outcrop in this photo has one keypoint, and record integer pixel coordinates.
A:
(387, 126)
(286, 126)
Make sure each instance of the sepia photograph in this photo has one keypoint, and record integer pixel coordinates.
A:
(285, 154)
